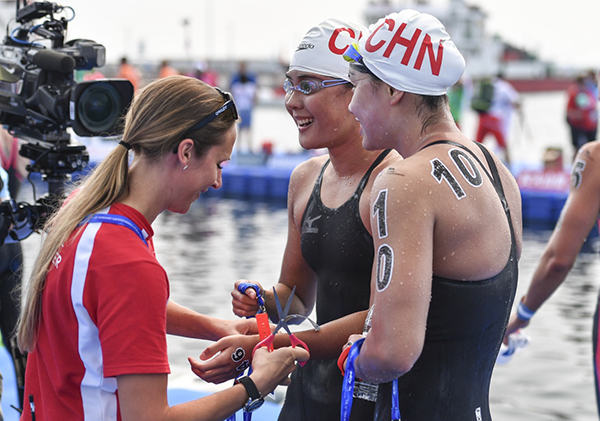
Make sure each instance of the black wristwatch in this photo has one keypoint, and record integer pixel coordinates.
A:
(256, 400)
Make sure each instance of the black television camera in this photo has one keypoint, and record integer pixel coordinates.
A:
(40, 98)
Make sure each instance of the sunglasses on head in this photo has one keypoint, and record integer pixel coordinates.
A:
(228, 105)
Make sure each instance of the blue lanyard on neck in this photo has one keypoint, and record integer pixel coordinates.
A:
(117, 220)
(348, 386)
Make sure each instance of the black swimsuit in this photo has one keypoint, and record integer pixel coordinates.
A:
(466, 323)
(339, 249)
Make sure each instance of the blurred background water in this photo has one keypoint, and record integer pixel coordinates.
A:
(224, 239)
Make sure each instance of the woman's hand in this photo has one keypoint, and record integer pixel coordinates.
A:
(514, 325)
(245, 304)
(241, 327)
(343, 358)
(270, 369)
(225, 359)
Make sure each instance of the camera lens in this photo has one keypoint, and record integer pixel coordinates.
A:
(99, 107)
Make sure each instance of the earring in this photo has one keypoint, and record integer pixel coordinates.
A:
(185, 168)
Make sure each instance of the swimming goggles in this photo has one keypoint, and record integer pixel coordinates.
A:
(310, 86)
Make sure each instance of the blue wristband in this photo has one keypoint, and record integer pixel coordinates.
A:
(524, 313)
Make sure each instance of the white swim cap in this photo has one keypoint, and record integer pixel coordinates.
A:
(322, 48)
(412, 52)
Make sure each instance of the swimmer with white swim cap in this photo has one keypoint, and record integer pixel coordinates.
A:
(446, 224)
(329, 253)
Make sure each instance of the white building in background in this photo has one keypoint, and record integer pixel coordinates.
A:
(485, 54)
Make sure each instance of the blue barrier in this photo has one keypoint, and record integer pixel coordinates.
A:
(542, 209)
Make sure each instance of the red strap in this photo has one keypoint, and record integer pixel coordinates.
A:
(264, 329)
(342, 359)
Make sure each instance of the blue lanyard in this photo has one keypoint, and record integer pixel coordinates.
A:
(117, 220)
(348, 386)
(395, 401)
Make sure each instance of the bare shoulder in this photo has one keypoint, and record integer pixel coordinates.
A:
(308, 169)
(405, 176)
(586, 166)
(589, 152)
(396, 167)
(389, 161)
(387, 164)
(302, 180)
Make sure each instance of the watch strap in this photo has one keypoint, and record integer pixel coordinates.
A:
(251, 388)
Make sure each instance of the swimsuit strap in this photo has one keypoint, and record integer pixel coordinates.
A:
(117, 220)
(494, 176)
(365, 179)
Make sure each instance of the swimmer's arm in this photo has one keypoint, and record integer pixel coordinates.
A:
(329, 340)
(577, 219)
(182, 321)
(216, 366)
(401, 300)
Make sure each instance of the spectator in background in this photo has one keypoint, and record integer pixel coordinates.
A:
(14, 164)
(166, 70)
(497, 120)
(591, 80)
(11, 258)
(129, 72)
(582, 112)
(203, 72)
(458, 96)
(244, 90)
(93, 74)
